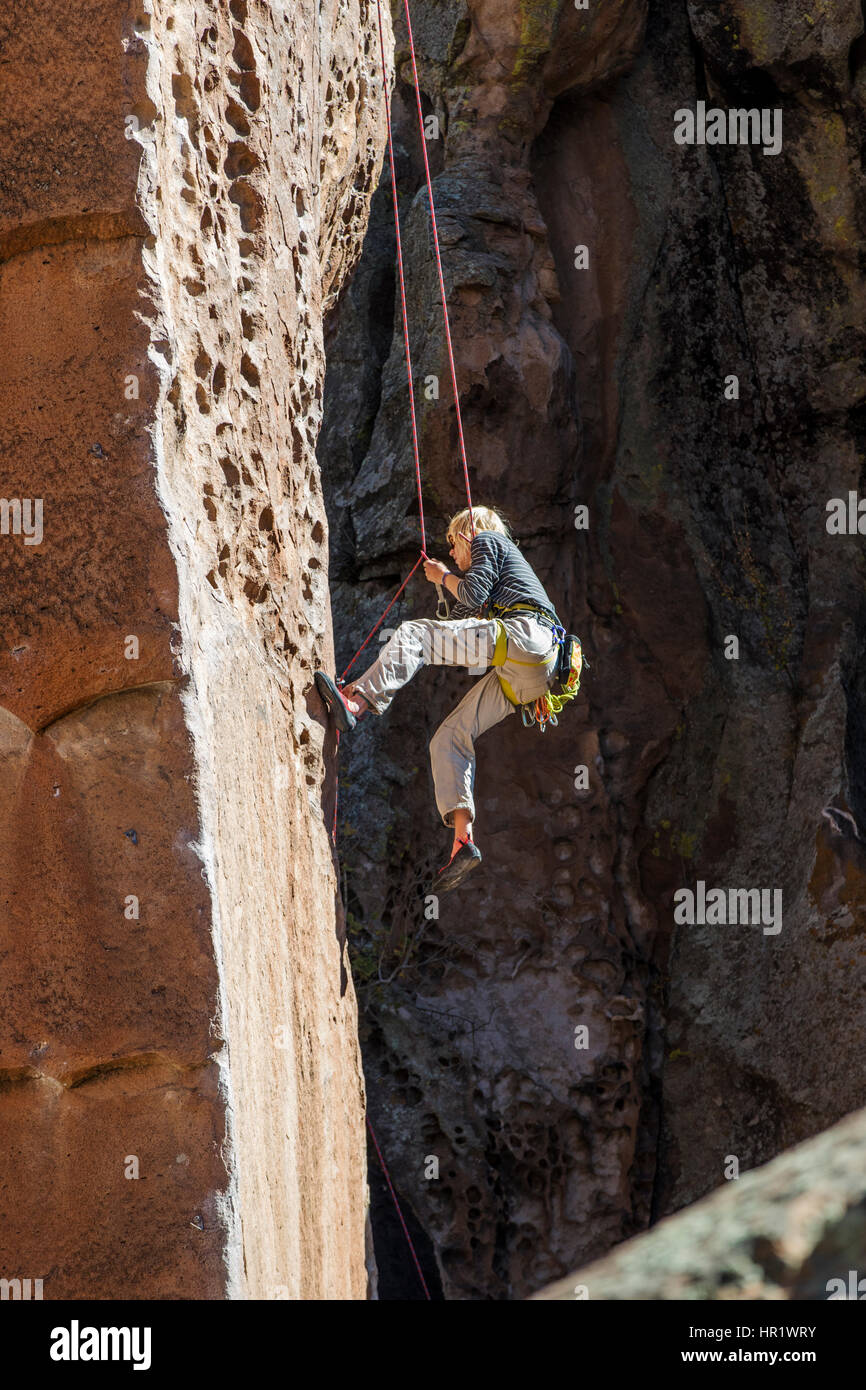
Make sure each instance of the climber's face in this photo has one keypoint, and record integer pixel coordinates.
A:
(460, 551)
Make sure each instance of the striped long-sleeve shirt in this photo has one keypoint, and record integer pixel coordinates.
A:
(498, 577)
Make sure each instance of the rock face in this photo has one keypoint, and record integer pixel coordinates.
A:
(792, 1230)
(611, 386)
(181, 1104)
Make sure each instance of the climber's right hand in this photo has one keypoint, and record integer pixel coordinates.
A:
(435, 571)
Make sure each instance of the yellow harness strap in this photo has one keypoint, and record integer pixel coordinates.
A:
(500, 651)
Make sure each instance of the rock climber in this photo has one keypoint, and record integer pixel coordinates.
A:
(503, 618)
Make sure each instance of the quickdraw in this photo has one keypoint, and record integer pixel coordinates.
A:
(538, 714)
(545, 709)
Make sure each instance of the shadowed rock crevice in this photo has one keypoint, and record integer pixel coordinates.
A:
(159, 688)
(149, 1067)
(108, 226)
(397, 1276)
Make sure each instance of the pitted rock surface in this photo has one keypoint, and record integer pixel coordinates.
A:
(185, 188)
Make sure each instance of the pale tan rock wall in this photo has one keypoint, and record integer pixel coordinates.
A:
(182, 213)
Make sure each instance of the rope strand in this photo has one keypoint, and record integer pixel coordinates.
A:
(384, 1168)
(439, 266)
(405, 318)
(374, 630)
(402, 280)
(416, 453)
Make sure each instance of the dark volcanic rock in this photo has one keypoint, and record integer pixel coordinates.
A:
(607, 387)
(795, 1229)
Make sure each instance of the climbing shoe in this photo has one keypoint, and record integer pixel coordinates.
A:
(467, 858)
(335, 702)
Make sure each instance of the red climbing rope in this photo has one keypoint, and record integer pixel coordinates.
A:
(438, 263)
(384, 1168)
(371, 633)
(402, 283)
(416, 452)
(412, 411)
(336, 791)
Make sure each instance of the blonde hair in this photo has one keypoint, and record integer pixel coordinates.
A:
(485, 518)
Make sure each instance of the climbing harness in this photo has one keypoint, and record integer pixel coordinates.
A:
(569, 665)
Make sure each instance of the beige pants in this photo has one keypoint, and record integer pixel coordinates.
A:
(468, 642)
